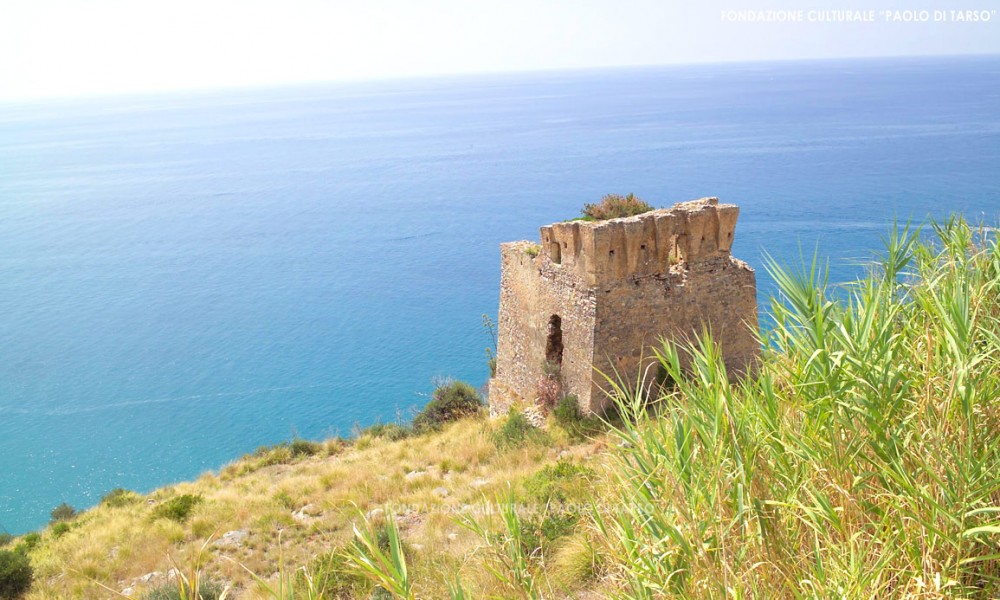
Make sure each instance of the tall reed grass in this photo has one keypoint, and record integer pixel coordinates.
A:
(862, 460)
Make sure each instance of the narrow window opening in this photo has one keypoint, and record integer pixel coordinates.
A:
(554, 342)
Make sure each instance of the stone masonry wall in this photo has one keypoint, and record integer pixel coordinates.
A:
(532, 290)
(614, 288)
(718, 294)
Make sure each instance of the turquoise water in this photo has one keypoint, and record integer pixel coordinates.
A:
(184, 278)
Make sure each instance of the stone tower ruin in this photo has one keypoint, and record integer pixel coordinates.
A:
(594, 296)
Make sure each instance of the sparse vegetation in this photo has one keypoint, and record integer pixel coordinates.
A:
(567, 411)
(328, 576)
(451, 401)
(120, 497)
(388, 431)
(567, 415)
(533, 250)
(377, 555)
(512, 556)
(614, 206)
(28, 542)
(548, 389)
(16, 574)
(516, 431)
(300, 447)
(63, 512)
(490, 327)
(206, 590)
(282, 453)
(177, 508)
(561, 482)
(60, 529)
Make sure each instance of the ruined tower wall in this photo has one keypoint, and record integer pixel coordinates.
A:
(618, 287)
(633, 317)
(531, 293)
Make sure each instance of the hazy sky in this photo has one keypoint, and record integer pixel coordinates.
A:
(70, 47)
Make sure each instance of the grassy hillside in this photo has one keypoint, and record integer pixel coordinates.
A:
(862, 460)
(291, 511)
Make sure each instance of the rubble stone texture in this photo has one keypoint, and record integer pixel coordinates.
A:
(593, 297)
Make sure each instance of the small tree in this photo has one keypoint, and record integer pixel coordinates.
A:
(15, 574)
(63, 512)
(450, 402)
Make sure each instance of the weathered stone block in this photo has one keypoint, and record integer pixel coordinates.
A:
(727, 226)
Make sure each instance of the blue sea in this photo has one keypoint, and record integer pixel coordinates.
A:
(186, 277)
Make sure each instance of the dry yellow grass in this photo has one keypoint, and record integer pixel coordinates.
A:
(296, 511)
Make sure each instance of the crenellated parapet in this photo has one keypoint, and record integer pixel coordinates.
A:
(644, 245)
